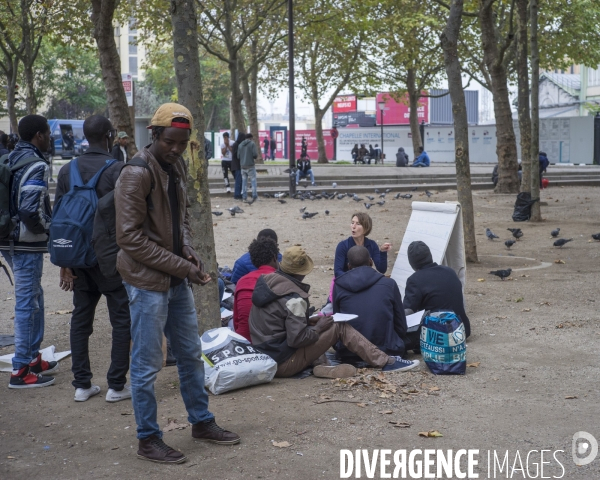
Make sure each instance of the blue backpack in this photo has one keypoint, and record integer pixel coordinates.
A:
(443, 343)
(70, 242)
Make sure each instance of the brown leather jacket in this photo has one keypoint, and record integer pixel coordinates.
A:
(146, 259)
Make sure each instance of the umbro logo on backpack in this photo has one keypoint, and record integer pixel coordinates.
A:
(62, 243)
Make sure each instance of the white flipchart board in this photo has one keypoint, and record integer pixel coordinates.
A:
(440, 226)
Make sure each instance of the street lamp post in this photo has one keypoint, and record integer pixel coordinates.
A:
(292, 106)
(381, 107)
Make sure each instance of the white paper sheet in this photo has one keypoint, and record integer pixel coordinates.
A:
(226, 313)
(226, 295)
(414, 319)
(343, 317)
(48, 354)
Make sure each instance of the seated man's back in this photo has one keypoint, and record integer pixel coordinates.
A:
(375, 299)
(432, 286)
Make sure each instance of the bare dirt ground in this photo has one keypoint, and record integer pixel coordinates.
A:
(534, 343)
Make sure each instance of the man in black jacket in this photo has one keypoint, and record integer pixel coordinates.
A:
(119, 150)
(433, 287)
(89, 284)
(376, 300)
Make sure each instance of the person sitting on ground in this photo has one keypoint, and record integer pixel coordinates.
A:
(243, 265)
(280, 326)
(263, 253)
(433, 287)
(422, 160)
(354, 153)
(304, 170)
(376, 300)
(401, 158)
(360, 227)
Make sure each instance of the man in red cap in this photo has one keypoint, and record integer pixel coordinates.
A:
(158, 265)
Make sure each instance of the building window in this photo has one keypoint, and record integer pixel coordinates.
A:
(594, 77)
(133, 66)
(132, 45)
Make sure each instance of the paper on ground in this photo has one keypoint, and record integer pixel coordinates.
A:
(414, 319)
(226, 313)
(226, 295)
(343, 317)
(48, 354)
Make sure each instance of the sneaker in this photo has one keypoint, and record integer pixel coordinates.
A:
(209, 431)
(228, 190)
(154, 449)
(313, 184)
(401, 365)
(40, 366)
(113, 396)
(342, 370)
(84, 394)
(24, 378)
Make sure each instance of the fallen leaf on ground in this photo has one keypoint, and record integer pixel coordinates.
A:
(560, 325)
(173, 425)
(501, 318)
(434, 389)
(524, 276)
(61, 312)
(400, 424)
(562, 262)
(126, 413)
(526, 310)
(385, 395)
(362, 405)
(570, 397)
(282, 444)
(519, 300)
(432, 433)
(474, 364)
(50, 424)
(544, 303)
(10, 457)
(385, 412)
(114, 448)
(481, 279)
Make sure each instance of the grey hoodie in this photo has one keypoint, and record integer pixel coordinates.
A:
(247, 152)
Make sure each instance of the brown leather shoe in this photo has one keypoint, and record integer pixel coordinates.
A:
(155, 450)
(211, 432)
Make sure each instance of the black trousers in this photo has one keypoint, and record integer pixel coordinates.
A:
(89, 285)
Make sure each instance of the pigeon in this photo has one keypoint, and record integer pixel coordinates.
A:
(341, 195)
(509, 243)
(490, 235)
(382, 195)
(266, 195)
(302, 209)
(382, 203)
(406, 195)
(502, 273)
(428, 193)
(370, 197)
(232, 213)
(596, 236)
(388, 190)
(376, 190)
(281, 201)
(414, 189)
(356, 199)
(555, 233)
(326, 212)
(236, 209)
(217, 214)
(250, 202)
(397, 196)
(562, 241)
(367, 205)
(306, 215)
(516, 232)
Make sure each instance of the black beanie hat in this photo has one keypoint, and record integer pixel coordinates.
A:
(419, 255)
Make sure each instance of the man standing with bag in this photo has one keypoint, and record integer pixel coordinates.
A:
(24, 248)
(158, 265)
(89, 284)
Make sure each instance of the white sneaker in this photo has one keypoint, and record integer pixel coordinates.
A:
(228, 190)
(83, 394)
(114, 396)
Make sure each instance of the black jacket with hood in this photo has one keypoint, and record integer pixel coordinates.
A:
(376, 300)
(279, 316)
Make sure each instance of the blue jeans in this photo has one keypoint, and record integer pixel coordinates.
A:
(300, 173)
(249, 173)
(419, 164)
(221, 284)
(29, 308)
(172, 312)
(237, 190)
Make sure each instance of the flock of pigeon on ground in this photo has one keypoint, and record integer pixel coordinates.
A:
(312, 195)
(518, 233)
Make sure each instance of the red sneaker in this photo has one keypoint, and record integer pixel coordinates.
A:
(40, 366)
(25, 379)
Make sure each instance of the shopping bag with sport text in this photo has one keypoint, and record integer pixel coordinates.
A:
(231, 362)
(443, 343)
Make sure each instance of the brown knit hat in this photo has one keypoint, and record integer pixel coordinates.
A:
(295, 261)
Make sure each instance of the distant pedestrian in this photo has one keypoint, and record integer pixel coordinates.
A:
(273, 145)
(119, 149)
(226, 159)
(236, 168)
(247, 154)
(544, 162)
(266, 148)
(304, 148)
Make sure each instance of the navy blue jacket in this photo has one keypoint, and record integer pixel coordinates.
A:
(341, 255)
(243, 266)
(436, 287)
(29, 201)
(377, 301)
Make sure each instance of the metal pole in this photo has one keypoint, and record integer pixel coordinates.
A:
(292, 106)
(382, 136)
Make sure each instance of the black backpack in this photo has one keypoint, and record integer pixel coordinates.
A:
(104, 238)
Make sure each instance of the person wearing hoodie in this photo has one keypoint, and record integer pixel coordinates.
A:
(376, 299)
(281, 328)
(247, 153)
(544, 162)
(236, 169)
(401, 158)
(433, 287)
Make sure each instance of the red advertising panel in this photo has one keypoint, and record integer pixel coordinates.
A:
(344, 103)
(397, 113)
(311, 140)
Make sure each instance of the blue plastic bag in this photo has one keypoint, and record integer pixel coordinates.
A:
(443, 344)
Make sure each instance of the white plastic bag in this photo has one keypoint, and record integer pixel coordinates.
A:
(231, 362)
